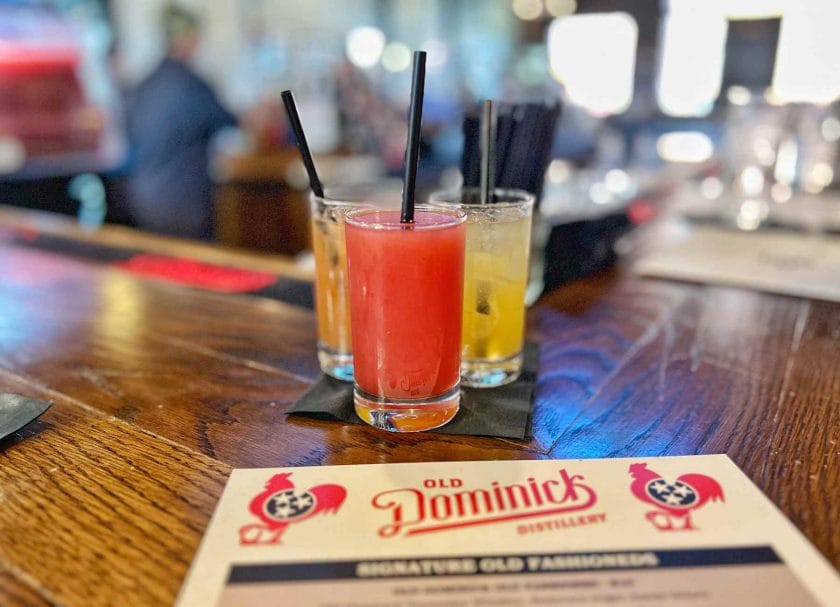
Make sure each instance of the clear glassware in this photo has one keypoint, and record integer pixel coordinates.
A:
(495, 282)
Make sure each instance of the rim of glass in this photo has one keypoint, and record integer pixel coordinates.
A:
(458, 217)
(338, 202)
(518, 198)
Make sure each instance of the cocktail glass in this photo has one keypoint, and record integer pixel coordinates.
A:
(406, 290)
(332, 307)
(495, 280)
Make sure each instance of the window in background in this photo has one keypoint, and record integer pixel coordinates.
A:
(691, 55)
(808, 60)
(747, 43)
(594, 56)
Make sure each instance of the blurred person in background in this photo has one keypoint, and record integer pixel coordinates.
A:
(172, 117)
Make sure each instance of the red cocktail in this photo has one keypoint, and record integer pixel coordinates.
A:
(406, 291)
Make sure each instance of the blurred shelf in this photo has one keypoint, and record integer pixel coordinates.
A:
(255, 205)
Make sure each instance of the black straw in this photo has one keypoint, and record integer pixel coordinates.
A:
(297, 127)
(412, 147)
(488, 151)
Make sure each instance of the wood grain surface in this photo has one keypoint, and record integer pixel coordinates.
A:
(159, 390)
(14, 592)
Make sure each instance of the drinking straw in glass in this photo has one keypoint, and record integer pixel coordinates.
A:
(406, 289)
(406, 273)
(495, 279)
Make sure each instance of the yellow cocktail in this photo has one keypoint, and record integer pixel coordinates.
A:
(495, 280)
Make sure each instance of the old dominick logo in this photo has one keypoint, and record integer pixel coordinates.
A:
(450, 505)
(673, 502)
(280, 505)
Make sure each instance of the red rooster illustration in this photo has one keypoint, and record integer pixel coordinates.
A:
(280, 505)
(675, 501)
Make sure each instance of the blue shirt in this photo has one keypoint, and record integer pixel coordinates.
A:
(172, 116)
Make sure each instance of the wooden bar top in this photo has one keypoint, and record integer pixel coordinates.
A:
(159, 390)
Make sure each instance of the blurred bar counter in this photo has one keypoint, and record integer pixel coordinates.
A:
(25, 224)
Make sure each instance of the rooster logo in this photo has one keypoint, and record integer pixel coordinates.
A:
(674, 501)
(280, 505)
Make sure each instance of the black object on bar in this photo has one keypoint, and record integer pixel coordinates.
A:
(488, 152)
(297, 127)
(16, 411)
(412, 147)
(504, 411)
(524, 136)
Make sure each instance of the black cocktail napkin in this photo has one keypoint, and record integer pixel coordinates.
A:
(16, 411)
(503, 412)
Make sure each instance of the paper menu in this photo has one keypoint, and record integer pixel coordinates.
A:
(641, 531)
(778, 261)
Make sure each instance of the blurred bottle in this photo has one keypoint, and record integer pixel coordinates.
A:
(754, 130)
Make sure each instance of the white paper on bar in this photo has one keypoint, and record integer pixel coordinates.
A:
(777, 261)
(643, 531)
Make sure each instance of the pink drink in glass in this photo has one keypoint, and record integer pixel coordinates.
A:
(406, 291)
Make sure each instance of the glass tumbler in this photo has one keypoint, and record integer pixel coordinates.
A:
(406, 289)
(495, 280)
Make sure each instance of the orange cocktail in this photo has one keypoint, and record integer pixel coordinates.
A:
(332, 307)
